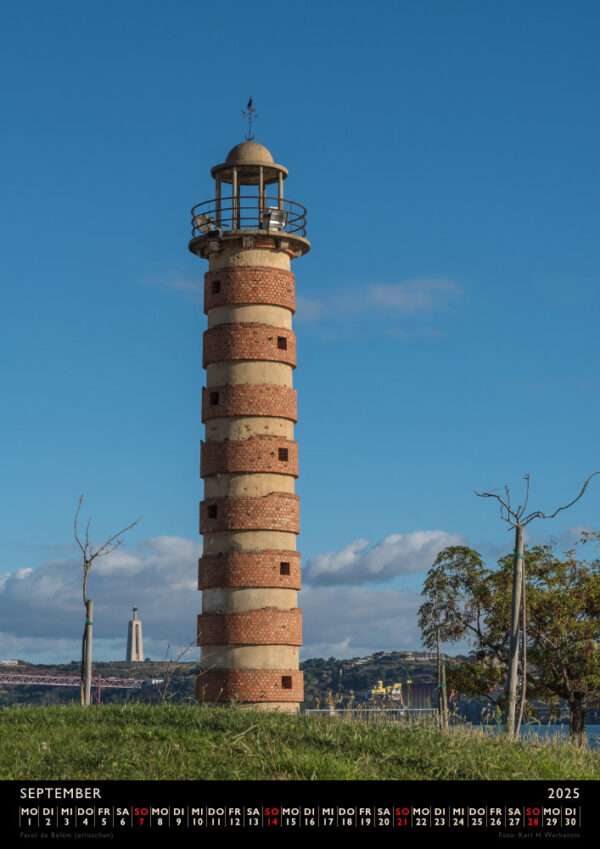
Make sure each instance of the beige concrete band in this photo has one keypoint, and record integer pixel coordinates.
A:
(250, 657)
(243, 427)
(242, 600)
(277, 316)
(224, 541)
(247, 484)
(232, 255)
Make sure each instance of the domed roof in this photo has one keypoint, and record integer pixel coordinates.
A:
(249, 151)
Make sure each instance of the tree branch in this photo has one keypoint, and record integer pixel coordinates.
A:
(527, 479)
(87, 535)
(539, 515)
(507, 493)
(102, 550)
(76, 524)
(497, 649)
(503, 505)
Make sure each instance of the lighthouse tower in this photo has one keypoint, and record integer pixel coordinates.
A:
(250, 628)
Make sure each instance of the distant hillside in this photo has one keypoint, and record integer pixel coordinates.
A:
(345, 679)
(354, 678)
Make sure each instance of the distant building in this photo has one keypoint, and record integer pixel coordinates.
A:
(135, 642)
(418, 655)
(9, 662)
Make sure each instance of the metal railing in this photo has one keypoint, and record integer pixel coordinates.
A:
(370, 714)
(230, 214)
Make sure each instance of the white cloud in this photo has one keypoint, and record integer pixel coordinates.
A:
(159, 577)
(56, 650)
(395, 555)
(41, 610)
(308, 309)
(353, 621)
(47, 650)
(191, 289)
(419, 295)
(413, 296)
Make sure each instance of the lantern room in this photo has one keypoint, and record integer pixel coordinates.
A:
(249, 199)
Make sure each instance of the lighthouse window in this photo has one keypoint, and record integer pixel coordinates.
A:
(216, 287)
(212, 511)
(284, 568)
(282, 343)
(214, 398)
(283, 454)
(286, 682)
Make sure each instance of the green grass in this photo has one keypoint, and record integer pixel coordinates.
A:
(169, 742)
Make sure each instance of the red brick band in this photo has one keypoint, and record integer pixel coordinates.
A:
(256, 285)
(250, 685)
(278, 511)
(269, 568)
(245, 399)
(266, 626)
(269, 454)
(249, 340)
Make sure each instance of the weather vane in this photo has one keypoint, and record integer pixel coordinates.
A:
(249, 114)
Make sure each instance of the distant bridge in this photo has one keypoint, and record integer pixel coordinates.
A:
(98, 682)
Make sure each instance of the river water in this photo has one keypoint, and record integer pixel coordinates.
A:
(550, 731)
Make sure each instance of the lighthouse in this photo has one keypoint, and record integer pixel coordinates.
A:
(250, 627)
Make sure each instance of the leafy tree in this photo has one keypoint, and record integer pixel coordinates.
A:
(465, 599)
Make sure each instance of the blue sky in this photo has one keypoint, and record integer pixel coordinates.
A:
(447, 153)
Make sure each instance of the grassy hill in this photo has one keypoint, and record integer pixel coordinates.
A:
(174, 741)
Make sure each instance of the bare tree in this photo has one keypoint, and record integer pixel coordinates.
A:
(90, 554)
(169, 668)
(518, 519)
